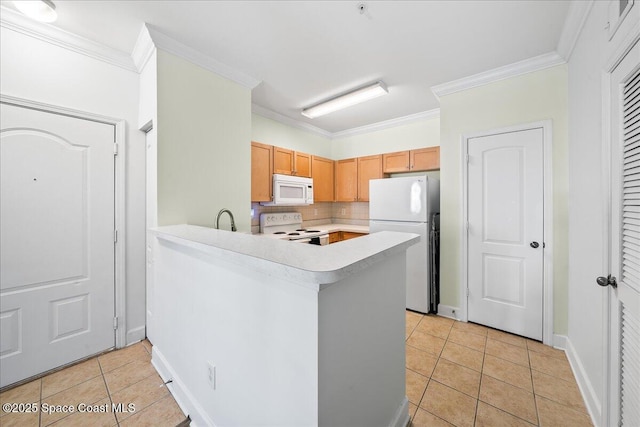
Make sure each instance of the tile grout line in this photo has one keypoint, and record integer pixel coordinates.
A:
(106, 386)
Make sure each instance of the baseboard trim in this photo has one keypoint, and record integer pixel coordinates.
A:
(401, 418)
(594, 407)
(449, 311)
(136, 334)
(560, 342)
(183, 397)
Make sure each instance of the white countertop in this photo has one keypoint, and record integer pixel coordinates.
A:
(309, 264)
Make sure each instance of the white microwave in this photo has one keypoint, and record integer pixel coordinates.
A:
(291, 191)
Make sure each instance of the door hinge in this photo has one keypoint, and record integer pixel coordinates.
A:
(115, 149)
(115, 236)
(466, 226)
(467, 291)
(115, 323)
(468, 158)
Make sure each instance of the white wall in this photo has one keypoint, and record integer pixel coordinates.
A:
(418, 134)
(204, 145)
(43, 72)
(271, 132)
(587, 258)
(528, 98)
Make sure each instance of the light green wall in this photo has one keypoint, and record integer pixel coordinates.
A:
(271, 132)
(418, 134)
(528, 98)
(204, 134)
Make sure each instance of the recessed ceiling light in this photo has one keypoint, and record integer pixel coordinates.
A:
(347, 100)
(40, 10)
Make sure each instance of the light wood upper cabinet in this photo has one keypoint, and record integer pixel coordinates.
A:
(289, 162)
(302, 164)
(323, 173)
(396, 162)
(261, 172)
(353, 175)
(347, 180)
(425, 159)
(283, 161)
(369, 167)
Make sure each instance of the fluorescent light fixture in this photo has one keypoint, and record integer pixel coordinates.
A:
(347, 100)
(40, 10)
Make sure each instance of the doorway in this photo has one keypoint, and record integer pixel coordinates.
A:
(58, 239)
(507, 244)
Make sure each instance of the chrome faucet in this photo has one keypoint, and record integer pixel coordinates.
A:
(233, 223)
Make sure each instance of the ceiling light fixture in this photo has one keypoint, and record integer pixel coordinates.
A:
(346, 100)
(40, 10)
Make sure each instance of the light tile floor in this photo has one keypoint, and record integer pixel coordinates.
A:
(464, 374)
(459, 374)
(125, 376)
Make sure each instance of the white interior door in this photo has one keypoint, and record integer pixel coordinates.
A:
(56, 240)
(505, 233)
(624, 321)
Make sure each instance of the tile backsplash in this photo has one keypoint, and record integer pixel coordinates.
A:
(318, 213)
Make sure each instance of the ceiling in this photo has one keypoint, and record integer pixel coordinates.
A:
(306, 51)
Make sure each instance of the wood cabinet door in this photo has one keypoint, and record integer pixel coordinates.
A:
(322, 171)
(425, 159)
(302, 164)
(369, 167)
(261, 172)
(347, 180)
(395, 162)
(283, 161)
(334, 237)
(346, 235)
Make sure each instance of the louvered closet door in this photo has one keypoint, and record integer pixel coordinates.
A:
(625, 262)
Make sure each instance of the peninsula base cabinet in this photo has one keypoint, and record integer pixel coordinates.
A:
(305, 331)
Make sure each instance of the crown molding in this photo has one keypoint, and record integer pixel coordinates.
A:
(143, 49)
(174, 47)
(19, 23)
(530, 65)
(573, 24)
(386, 124)
(270, 114)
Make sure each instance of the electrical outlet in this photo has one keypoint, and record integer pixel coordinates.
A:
(344, 211)
(211, 375)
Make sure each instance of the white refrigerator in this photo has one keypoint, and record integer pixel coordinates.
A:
(406, 204)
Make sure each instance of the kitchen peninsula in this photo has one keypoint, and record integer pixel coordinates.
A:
(255, 331)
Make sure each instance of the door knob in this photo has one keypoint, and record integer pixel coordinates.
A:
(606, 281)
(534, 244)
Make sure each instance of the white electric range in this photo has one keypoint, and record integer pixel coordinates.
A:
(288, 226)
